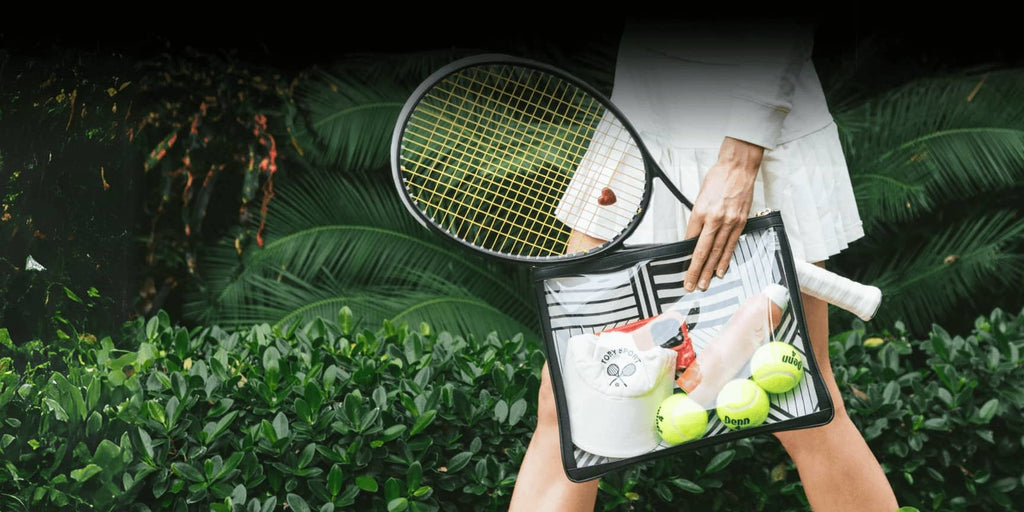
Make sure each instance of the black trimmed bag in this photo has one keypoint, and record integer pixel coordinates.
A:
(621, 335)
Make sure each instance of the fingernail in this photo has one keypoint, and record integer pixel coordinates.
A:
(703, 284)
(721, 273)
(688, 285)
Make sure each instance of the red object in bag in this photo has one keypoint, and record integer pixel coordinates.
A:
(644, 339)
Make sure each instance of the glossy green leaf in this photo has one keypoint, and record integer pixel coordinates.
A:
(335, 480)
(423, 421)
(392, 489)
(398, 505)
(414, 475)
(307, 455)
(516, 411)
(366, 483)
(459, 461)
(297, 503)
(988, 410)
(720, 461)
(500, 411)
(187, 471)
(687, 485)
(83, 474)
(281, 427)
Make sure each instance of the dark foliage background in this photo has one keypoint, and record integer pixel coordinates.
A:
(132, 245)
(132, 151)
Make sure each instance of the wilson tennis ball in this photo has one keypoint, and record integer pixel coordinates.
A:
(742, 404)
(680, 419)
(777, 367)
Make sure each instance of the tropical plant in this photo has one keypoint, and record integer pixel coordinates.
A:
(340, 235)
(937, 166)
(332, 241)
(342, 118)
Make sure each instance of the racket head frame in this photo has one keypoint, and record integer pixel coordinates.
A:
(651, 168)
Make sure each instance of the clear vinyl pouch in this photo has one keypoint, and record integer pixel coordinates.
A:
(641, 368)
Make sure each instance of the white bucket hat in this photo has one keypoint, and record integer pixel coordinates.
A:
(613, 391)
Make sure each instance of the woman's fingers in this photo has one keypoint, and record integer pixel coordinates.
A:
(705, 243)
(695, 229)
(715, 244)
(720, 211)
(729, 248)
(715, 256)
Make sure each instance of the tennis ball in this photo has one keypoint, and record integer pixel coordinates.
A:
(680, 419)
(777, 367)
(742, 404)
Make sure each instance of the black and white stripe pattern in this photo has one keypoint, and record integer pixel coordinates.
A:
(595, 302)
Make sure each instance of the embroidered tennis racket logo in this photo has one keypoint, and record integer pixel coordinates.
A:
(626, 371)
(620, 364)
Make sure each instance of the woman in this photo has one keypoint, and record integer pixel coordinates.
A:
(735, 115)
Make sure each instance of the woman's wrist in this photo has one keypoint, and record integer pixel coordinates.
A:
(741, 154)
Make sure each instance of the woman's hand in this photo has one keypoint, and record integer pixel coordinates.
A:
(721, 210)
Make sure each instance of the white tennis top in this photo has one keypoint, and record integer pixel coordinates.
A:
(697, 83)
(686, 86)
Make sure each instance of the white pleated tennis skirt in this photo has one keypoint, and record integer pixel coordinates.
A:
(806, 179)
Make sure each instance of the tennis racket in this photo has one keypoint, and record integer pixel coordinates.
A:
(520, 160)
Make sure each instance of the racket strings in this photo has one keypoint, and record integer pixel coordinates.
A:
(511, 136)
(552, 185)
(472, 123)
(480, 189)
(545, 192)
(458, 209)
(575, 129)
(489, 153)
(521, 203)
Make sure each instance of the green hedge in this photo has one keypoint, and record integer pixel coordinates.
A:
(320, 417)
(943, 415)
(325, 416)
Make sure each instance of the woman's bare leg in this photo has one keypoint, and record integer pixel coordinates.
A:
(835, 464)
(542, 484)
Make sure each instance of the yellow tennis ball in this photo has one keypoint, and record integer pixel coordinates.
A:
(742, 404)
(777, 367)
(680, 419)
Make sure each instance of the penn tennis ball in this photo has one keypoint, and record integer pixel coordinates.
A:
(777, 367)
(741, 404)
(680, 419)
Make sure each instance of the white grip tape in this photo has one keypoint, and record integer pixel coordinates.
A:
(859, 299)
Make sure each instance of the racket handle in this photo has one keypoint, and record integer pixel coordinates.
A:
(859, 299)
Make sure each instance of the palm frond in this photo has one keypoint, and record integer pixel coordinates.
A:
(326, 198)
(328, 234)
(447, 307)
(924, 106)
(933, 141)
(344, 122)
(359, 256)
(404, 70)
(345, 118)
(923, 281)
(937, 169)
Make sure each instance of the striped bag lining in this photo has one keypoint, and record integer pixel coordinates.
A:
(594, 302)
